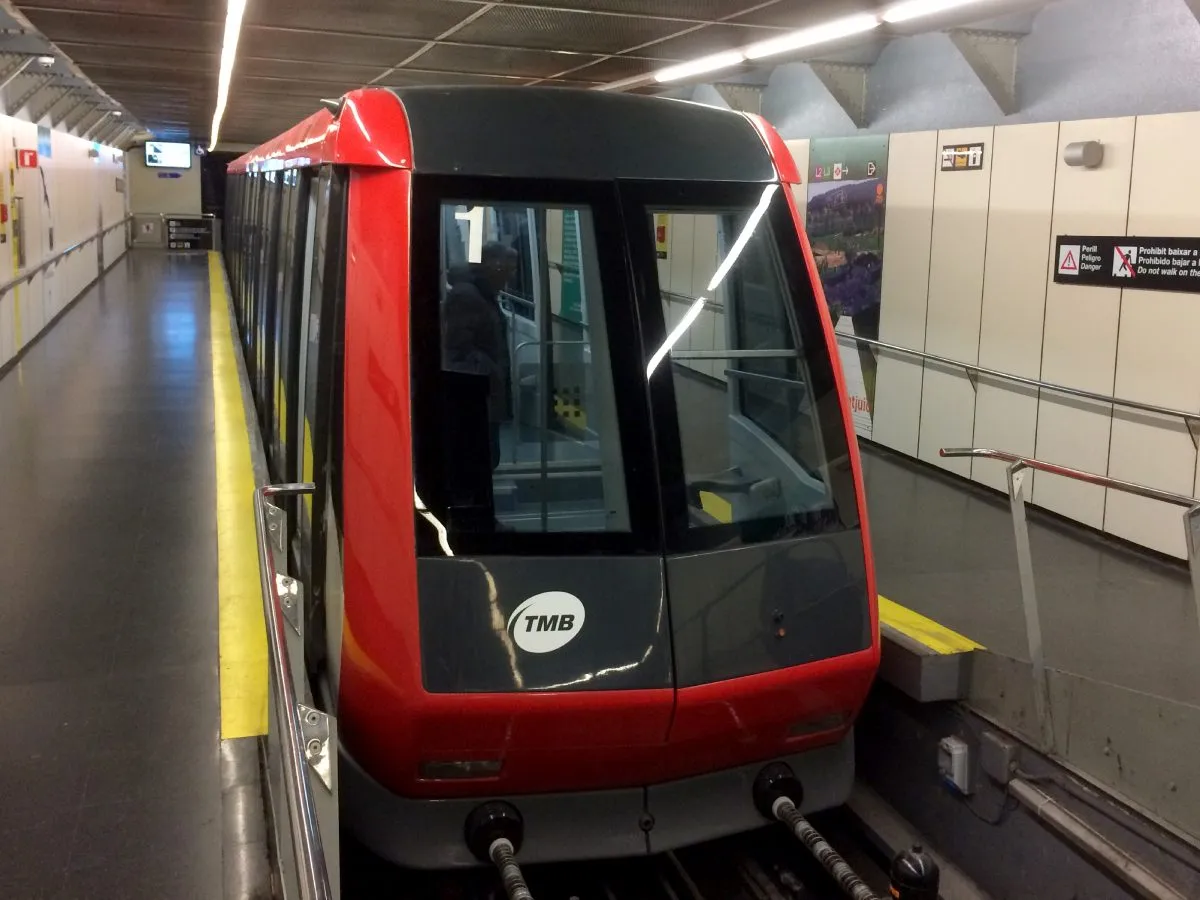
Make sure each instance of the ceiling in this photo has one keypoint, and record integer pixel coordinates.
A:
(160, 59)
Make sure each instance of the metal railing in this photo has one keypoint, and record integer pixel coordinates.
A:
(1192, 419)
(1018, 466)
(299, 751)
(30, 274)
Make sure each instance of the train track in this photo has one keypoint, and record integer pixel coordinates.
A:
(767, 864)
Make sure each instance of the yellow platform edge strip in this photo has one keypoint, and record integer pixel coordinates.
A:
(242, 636)
(936, 637)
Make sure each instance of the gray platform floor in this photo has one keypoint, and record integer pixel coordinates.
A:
(1110, 613)
(109, 778)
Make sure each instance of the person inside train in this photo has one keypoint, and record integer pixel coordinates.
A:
(475, 331)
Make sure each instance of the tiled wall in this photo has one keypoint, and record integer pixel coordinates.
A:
(79, 196)
(968, 275)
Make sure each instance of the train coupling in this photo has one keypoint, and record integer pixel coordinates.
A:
(494, 832)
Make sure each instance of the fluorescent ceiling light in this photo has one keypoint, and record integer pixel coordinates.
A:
(818, 34)
(233, 29)
(699, 66)
(914, 9)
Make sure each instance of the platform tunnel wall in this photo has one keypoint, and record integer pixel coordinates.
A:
(76, 190)
(968, 274)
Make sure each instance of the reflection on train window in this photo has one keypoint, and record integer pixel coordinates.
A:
(751, 440)
(525, 360)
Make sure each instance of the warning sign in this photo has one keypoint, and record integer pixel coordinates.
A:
(1123, 262)
(1148, 264)
(1068, 259)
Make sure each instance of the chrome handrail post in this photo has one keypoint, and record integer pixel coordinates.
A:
(1191, 527)
(306, 833)
(1017, 477)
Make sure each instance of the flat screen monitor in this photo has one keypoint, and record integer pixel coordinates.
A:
(163, 155)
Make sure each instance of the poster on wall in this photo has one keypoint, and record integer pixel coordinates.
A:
(846, 200)
(44, 142)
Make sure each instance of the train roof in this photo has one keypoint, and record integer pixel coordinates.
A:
(531, 132)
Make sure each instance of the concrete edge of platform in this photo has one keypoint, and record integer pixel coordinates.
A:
(923, 658)
(246, 841)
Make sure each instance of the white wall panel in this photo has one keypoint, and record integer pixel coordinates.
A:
(1014, 290)
(1080, 336)
(1157, 357)
(908, 224)
(959, 244)
(152, 191)
(63, 204)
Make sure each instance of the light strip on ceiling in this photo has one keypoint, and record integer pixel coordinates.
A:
(914, 9)
(233, 29)
(818, 34)
(725, 60)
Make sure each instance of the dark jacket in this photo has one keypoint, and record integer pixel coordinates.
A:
(475, 338)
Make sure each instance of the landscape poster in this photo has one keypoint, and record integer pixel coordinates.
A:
(847, 190)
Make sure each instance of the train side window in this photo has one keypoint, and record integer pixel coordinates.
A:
(751, 436)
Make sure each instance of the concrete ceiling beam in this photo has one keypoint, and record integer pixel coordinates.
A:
(992, 56)
(847, 84)
(744, 97)
(52, 96)
(29, 88)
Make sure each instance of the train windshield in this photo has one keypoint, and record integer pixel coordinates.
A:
(620, 366)
(742, 394)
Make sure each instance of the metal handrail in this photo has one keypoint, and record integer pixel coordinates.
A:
(1028, 382)
(313, 870)
(1128, 487)
(29, 274)
(1017, 467)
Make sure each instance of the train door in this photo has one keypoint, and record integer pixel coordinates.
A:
(264, 320)
(292, 251)
(254, 232)
(318, 428)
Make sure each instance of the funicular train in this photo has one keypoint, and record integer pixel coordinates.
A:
(588, 541)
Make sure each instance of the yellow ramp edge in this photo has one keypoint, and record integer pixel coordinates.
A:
(242, 635)
(936, 637)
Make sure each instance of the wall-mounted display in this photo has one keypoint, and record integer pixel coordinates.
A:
(846, 199)
(1141, 263)
(962, 157)
(164, 155)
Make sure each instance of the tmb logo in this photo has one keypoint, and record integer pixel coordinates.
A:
(546, 621)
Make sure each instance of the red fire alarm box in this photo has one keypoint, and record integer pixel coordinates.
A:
(27, 159)
(3, 213)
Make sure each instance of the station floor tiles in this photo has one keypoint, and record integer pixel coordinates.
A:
(109, 769)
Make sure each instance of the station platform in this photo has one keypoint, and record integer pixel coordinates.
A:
(109, 766)
(110, 680)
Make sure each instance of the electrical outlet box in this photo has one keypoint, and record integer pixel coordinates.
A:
(954, 764)
(998, 756)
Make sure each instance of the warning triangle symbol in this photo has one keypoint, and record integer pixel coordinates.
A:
(1068, 263)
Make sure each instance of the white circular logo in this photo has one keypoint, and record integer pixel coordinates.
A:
(546, 621)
